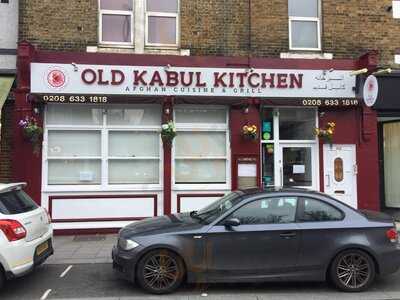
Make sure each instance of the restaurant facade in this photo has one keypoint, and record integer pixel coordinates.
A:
(240, 122)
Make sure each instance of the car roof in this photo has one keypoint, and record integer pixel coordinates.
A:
(269, 190)
(6, 187)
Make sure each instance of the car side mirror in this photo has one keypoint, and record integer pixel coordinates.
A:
(233, 222)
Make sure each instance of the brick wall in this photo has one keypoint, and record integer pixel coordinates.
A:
(6, 140)
(349, 27)
(59, 24)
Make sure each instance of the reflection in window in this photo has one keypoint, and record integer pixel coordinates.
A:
(317, 211)
(267, 211)
(296, 124)
(297, 166)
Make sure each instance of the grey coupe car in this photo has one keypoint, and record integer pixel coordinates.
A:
(260, 235)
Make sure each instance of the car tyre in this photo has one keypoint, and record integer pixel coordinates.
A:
(2, 278)
(352, 271)
(160, 272)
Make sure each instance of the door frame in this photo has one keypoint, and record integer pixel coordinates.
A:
(355, 178)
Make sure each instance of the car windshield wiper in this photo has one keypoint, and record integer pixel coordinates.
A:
(195, 215)
(209, 213)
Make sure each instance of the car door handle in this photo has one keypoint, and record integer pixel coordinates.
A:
(287, 235)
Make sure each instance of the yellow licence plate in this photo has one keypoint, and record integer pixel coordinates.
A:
(42, 248)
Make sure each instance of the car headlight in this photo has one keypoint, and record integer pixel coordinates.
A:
(127, 244)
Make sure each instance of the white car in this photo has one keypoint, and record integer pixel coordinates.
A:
(25, 232)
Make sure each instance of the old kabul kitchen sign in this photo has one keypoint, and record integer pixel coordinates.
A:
(72, 79)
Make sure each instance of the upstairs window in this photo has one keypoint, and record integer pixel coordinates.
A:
(304, 25)
(162, 21)
(116, 22)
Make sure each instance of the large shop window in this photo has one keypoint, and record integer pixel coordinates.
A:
(305, 24)
(289, 147)
(107, 146)
(201, 146)
(391, 160)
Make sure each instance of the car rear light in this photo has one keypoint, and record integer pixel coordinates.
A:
(13, 230)
(392, 235)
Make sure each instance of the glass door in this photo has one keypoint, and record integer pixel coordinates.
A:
(289, 147)
(297, 166)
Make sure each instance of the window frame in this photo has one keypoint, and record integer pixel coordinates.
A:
(102, 12)
(306, 19)
(203, 127)
(300, 210)
(149, 14)
(104, 128)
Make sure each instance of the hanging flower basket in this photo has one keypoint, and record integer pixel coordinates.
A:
(32, 132)
(249, 132)
(326, 133)
(168, 133)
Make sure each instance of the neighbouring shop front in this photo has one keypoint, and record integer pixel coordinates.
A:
(103, 162)
(387, 106)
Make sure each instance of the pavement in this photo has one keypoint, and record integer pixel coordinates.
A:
(82, 249)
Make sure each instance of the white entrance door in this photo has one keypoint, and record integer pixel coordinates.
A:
(340, 173)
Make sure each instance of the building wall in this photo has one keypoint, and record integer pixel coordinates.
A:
(6, 139)
(349, 27)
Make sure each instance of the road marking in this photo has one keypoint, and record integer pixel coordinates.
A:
(66, 271)
(46, 294)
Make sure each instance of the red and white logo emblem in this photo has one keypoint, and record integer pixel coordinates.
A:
(371, 89)
(56, 78)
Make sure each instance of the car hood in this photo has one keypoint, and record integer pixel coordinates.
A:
(162, 224)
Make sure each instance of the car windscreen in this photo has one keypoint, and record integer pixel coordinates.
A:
(219, 207)
(16, 202)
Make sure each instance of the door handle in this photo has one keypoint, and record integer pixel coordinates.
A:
(287, 235)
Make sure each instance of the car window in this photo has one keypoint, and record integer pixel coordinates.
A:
(267, 211)
(217, 208)
(317, 211)
(16, 202)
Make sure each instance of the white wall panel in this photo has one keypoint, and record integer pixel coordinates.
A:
(102, 208)
(195, 203)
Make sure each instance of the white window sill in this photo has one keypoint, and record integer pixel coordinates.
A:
(99, 189)
(306, 55)
(132, 50)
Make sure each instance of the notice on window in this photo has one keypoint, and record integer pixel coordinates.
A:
(299, 169)
(247, 175)
(247, 170)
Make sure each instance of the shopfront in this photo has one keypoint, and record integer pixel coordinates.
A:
(103, 163)
(388, 112)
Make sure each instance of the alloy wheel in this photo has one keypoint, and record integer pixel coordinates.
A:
(353, 270)
(160, 272)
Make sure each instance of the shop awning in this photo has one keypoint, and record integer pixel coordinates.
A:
(5, 86)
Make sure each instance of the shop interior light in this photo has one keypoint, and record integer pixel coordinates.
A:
(358, 72)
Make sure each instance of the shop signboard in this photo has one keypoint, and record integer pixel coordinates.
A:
(91, 83)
